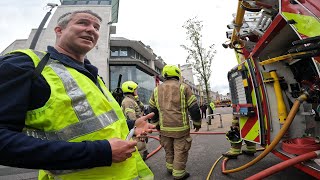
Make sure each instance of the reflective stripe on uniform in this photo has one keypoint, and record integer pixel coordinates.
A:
(251, 148)
(183, 105)
(178, 173)
(155, 94)
(152, 103)
(235, 121)
(129, 110)
(169, 166)
(191, 100)
(234, 151)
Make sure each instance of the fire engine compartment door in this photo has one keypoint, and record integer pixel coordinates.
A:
(244, 102)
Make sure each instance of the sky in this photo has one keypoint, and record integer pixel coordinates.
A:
(157, 23)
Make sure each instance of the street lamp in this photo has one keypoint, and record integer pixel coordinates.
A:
(40, 28)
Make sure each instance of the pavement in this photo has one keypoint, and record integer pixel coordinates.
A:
(205, 151)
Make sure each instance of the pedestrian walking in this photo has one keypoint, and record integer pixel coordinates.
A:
(203, 108)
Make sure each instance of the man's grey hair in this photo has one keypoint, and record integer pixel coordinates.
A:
(65, 18)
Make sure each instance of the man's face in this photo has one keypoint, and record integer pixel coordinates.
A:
(135, 92)
(80, 35)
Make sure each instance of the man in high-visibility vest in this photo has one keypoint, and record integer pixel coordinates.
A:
(212, 106)
(133, 109)
(170, 101)
(56, 113)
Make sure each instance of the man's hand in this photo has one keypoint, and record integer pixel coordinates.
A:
(121, 149)
(142, 125)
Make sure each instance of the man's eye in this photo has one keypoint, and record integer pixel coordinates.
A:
(82, 22)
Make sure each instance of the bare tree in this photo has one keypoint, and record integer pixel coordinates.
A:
(199, 57)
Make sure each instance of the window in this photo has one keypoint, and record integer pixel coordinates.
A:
(146, 82)
(105, 2)
(66, 2)
(114, 52)
(81, 2)
(158, 70)
(84, 2)
(144, 60)
(123, 52)
(93, 2)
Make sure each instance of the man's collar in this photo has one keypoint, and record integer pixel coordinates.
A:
(66, 60)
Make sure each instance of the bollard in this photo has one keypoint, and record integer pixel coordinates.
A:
(191, 124)
(208, 122)
(209, 116)
(221, 126)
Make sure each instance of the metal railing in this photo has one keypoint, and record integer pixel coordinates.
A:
(212, 115)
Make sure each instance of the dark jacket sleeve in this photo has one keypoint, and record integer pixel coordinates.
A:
(130, 123)
(20, 150)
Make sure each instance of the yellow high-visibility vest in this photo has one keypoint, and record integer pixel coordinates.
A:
(78, 111)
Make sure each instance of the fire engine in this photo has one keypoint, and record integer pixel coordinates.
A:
(275, 88)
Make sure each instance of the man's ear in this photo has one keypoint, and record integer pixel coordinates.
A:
(58, 30)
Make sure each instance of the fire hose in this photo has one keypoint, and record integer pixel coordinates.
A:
(277, 139)
(278, 167)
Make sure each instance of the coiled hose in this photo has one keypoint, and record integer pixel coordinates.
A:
(277, 139)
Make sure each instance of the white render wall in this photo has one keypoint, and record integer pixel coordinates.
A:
(99, 55)
(186, 72)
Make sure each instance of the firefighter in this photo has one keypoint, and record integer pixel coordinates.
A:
(212, 106)
(170, 102)
(133, 109)
(236, 142)
(211, 111)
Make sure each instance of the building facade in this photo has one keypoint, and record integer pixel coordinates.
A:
(136, 62)
(187, 73)
(187, 78)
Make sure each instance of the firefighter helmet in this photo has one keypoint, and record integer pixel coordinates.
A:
(171, 71)
(129, 87)
(233, 135)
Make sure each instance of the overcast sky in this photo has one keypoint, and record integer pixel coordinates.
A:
(157, 23)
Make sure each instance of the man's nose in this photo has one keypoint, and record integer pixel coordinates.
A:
(91, 28)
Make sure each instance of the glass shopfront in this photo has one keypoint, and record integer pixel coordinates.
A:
(145, 81)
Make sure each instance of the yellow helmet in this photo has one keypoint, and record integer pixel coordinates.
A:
(171, 71)
(129, 87)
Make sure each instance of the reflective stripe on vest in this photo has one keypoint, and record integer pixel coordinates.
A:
(88, 122)
(185, 125)
(75, 130)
